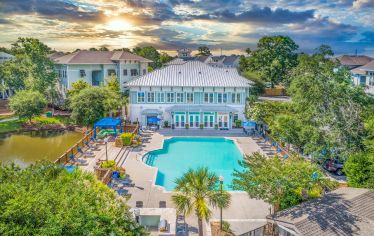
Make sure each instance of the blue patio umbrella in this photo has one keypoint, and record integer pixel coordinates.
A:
(153, 119)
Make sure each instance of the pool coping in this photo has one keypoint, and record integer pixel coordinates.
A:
(155, 169)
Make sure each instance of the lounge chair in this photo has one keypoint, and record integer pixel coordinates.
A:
(85, 154)
(93, 147)
(139, 204)
(77, 161)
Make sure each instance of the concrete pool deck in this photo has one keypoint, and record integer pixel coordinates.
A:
(243, 213)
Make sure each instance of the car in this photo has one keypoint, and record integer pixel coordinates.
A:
(334, 165)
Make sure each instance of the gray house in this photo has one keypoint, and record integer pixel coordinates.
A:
(95, 66)
(5, 92)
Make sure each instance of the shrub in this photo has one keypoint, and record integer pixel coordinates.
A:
(27, 104)
(216, 126)
(110, 164)
(238, 124)
(187, 126)
(46, 120)
(126, 138)
(166, 124)
(359, 170)
(201, 126)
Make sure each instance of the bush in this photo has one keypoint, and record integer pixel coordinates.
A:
(359, 170)
(110, 164)
(45, 120)
(45, 199)
(27, 104)
(216, 126)
(126, 139)
(201, 126)
(166, 124)
(238, 124)
(187, 126)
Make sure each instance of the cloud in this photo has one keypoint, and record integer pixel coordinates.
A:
(368, 37)
(4, 21)
(49, 9)
(359, 4)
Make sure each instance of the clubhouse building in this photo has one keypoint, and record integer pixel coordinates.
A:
(191, 94)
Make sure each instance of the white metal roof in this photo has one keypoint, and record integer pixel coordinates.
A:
(192, 74)
(201, 108)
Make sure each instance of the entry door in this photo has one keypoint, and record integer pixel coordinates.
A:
(209, 121)
(179, 121)
(223, 121)
(194, 121)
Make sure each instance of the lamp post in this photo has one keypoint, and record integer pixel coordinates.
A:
(221, 189)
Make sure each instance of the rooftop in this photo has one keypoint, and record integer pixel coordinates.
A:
(98, 57)
(345, 211)
(192, 74)
(353, 60)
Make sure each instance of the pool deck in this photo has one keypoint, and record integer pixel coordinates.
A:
(243, 214)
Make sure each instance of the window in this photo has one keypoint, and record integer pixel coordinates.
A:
(64, 74)
(179, 97)
(169, 97)
(189, 97)
(222, 97)
(111, 72)
(151, 97)
(371, 81)
(235, 98)
(82, 73)
(161, 97)
(144, 71)
(208, 97)
(134, 72)
(125, 72)
(141, 96)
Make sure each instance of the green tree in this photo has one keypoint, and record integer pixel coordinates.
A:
(359, 169)
(123, 49)
(165, 58)
(324, 98)
(150, 53)
(203, 51)
(27, 104)
(281, 183)
(196, 190)
(369, 138)
(112, 84)
(273, 59)
(44, 199)
(93, 103)
(77, 86)
(33, 53)
(103, 49)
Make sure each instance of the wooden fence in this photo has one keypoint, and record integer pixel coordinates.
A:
(274, 92)
(64, 158)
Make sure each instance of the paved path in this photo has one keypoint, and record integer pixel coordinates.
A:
(10, 119)
(242, 208)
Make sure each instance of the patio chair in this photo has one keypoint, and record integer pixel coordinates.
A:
(139, 204)
(85, 154)
(122, 192)
(162, 204)
(77, 161)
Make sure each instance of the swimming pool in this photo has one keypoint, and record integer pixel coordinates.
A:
(179, 154)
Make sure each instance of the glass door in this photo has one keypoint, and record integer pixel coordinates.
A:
(176, 121)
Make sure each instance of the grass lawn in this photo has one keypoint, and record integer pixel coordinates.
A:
(10, 126)
(7, 116)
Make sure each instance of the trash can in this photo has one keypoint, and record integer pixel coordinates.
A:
(49, 114)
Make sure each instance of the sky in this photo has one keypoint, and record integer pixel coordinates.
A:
(227, 25)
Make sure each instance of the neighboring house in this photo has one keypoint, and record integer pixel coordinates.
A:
(345, 211)
(95, 66)
(192, 93)
(184, 55)
(353, 61)
(5, 92)
(364, 75)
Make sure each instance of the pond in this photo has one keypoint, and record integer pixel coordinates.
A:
(28, 147)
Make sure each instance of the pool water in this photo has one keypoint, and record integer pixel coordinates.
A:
(178, 155)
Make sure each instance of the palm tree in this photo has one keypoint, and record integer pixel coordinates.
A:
(197, 190)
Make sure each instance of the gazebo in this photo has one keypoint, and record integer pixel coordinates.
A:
(108, 123)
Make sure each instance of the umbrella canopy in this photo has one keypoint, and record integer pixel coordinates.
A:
(153, 119)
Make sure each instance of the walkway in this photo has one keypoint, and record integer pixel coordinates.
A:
(242, 208)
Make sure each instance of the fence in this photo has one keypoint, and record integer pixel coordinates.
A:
(275, 92)
(64, 158)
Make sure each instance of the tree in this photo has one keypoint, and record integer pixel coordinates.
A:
(273, 59)
(196, 190)
(31, 69)
(165, 58)
(325, 98)
(27, 104)
(122, 49)
(150, 53)
(359, 170)
(281, 183)
(45, 199)
(92, 103)
(103, 49)
(93, 49)
(77, 86)
(112, 84)
(203, 51)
